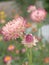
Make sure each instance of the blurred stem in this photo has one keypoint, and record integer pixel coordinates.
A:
(29, 56)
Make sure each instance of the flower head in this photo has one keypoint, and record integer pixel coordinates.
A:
(29, 40)
(7, 59)
(46, 60)
(31, 8)
(14, 28)
(11, 47)
(23, 50)
(38, 15)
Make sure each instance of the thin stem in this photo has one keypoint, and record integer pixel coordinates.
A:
(29, 56)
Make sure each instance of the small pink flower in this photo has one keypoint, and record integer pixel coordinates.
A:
(38, 15)
(29, 40)
(11, 47)
(7, 59)
(31, 8)
(23, 50)
(14, 28)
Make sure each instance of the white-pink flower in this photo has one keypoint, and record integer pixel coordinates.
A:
(38, 15)
(14, 28)
(31, 8)
(11, 47)
(29, 41)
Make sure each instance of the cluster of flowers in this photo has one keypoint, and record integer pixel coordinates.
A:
(15, 29)
(12, 48)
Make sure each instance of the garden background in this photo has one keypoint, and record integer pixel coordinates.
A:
(10, 9)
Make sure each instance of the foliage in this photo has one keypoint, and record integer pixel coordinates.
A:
(46, 5)
(23, 4)
(4, 0)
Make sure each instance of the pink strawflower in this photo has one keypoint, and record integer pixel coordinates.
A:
(14, 28)
(38, 15)
(11, 47)
(23, 50)
(31, 8)
(29, 40)
(7, 59)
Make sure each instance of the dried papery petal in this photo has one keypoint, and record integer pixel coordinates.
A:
(29, 38)
(38, 15)
(30, 41)
(14, 29)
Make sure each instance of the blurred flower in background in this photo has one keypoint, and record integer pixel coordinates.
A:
(46, 60)
(7, 59)
(23, 50)
(2, 17)
(31, 8)
(11, 47)
(38, 15)
(34, 27)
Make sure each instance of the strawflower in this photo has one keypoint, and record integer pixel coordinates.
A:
(29, 41)
(14, 29)
(38, 15)
(11, 47)
(7, 59)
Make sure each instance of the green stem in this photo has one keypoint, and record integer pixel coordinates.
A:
(29, 55)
